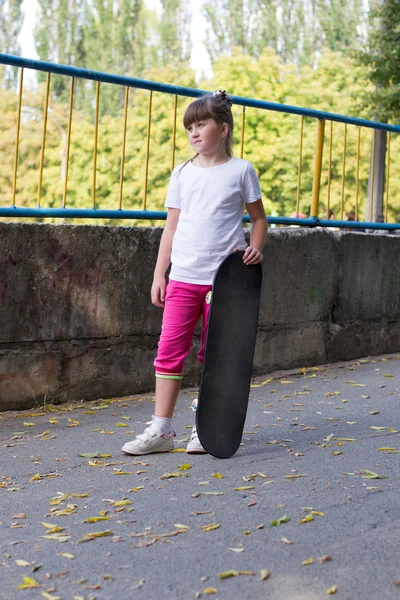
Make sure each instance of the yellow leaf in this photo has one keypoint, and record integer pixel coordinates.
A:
(123, 473)
(180, 526)
(28, 584)
(95, 519)
(332, 590)
(122, 503)
(217, 475)
(236, 549)
(264, 574)
(393, 430)
(243, 488)
(210, 527)
(318, 513)
(210, 590)
(136, 489)
(85, 495)
(56, 537)
(98, 534)
(66, 555)
(122, 424)
(184, 467)
(309, 561)
(49, 596)
(26, 424)
(378, 428)
(285, 381)
(48, 525)
(53, 421)
(306, 519)
(184, 450)
(266, 381)
(295, 476)
(226, 574)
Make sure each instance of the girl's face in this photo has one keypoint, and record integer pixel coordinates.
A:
(206, 137)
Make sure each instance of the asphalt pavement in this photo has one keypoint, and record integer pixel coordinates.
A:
(308, 508)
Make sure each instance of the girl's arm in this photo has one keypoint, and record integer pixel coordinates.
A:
(259, 228)
(164, 257)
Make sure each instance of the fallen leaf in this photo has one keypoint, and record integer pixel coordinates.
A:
(217, 475)
(243, 488)
(277, 522)
(23, 563)
(308, 561)
(264, 574)
(184, 467)
(305, 519)
(332, 590)
(227, 574)
(371, 475)
(324, 559)
(210, 590)
(66, 555)
(210, 527)
(286, 541)
(28, 584)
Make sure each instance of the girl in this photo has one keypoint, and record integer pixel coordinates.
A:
(205, 201)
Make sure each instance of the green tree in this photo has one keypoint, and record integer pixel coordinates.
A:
(381, 56)
(174, 27)
(11, 20)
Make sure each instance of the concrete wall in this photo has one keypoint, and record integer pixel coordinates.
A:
(77, 322)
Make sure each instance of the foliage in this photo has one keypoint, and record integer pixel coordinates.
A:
(271, 139)
(381, 56)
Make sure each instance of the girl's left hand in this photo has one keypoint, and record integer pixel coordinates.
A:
(252, 256)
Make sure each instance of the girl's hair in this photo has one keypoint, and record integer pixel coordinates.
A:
(216, 106)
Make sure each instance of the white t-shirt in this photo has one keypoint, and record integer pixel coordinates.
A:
(211, 201)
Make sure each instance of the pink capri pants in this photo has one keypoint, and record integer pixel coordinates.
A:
(185, 303)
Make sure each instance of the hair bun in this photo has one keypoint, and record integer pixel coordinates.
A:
(222, 94)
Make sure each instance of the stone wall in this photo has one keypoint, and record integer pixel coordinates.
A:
(77, 322)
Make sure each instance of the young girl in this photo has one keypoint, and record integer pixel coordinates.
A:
(205, 201)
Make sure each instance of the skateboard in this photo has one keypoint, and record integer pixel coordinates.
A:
(229, 354)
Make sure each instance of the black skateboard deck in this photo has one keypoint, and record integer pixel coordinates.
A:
(229, 354)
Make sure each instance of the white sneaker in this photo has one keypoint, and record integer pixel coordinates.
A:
(194, 445)
(151, 440)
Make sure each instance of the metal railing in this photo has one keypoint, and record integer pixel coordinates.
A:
(128, 83)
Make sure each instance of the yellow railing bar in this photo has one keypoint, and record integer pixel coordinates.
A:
(387, 175)
(14, 188)
(146, 173)
(371, 191)
(329, 167)
(71, 101)
(343, 170)
(317, 169)
(96, 135)
(358, 167)
(46, 109)
(299, 166)
(174, 131)
(121, 179)
(242, 131)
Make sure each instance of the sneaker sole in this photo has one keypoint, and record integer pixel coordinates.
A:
(144, 453)
(196, 451)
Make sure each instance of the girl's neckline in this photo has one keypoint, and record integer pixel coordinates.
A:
(215, 167)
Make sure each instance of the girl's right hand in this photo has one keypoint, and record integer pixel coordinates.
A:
(158, 292)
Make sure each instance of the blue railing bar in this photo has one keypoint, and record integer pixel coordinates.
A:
(148, 215)
(38, 65)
